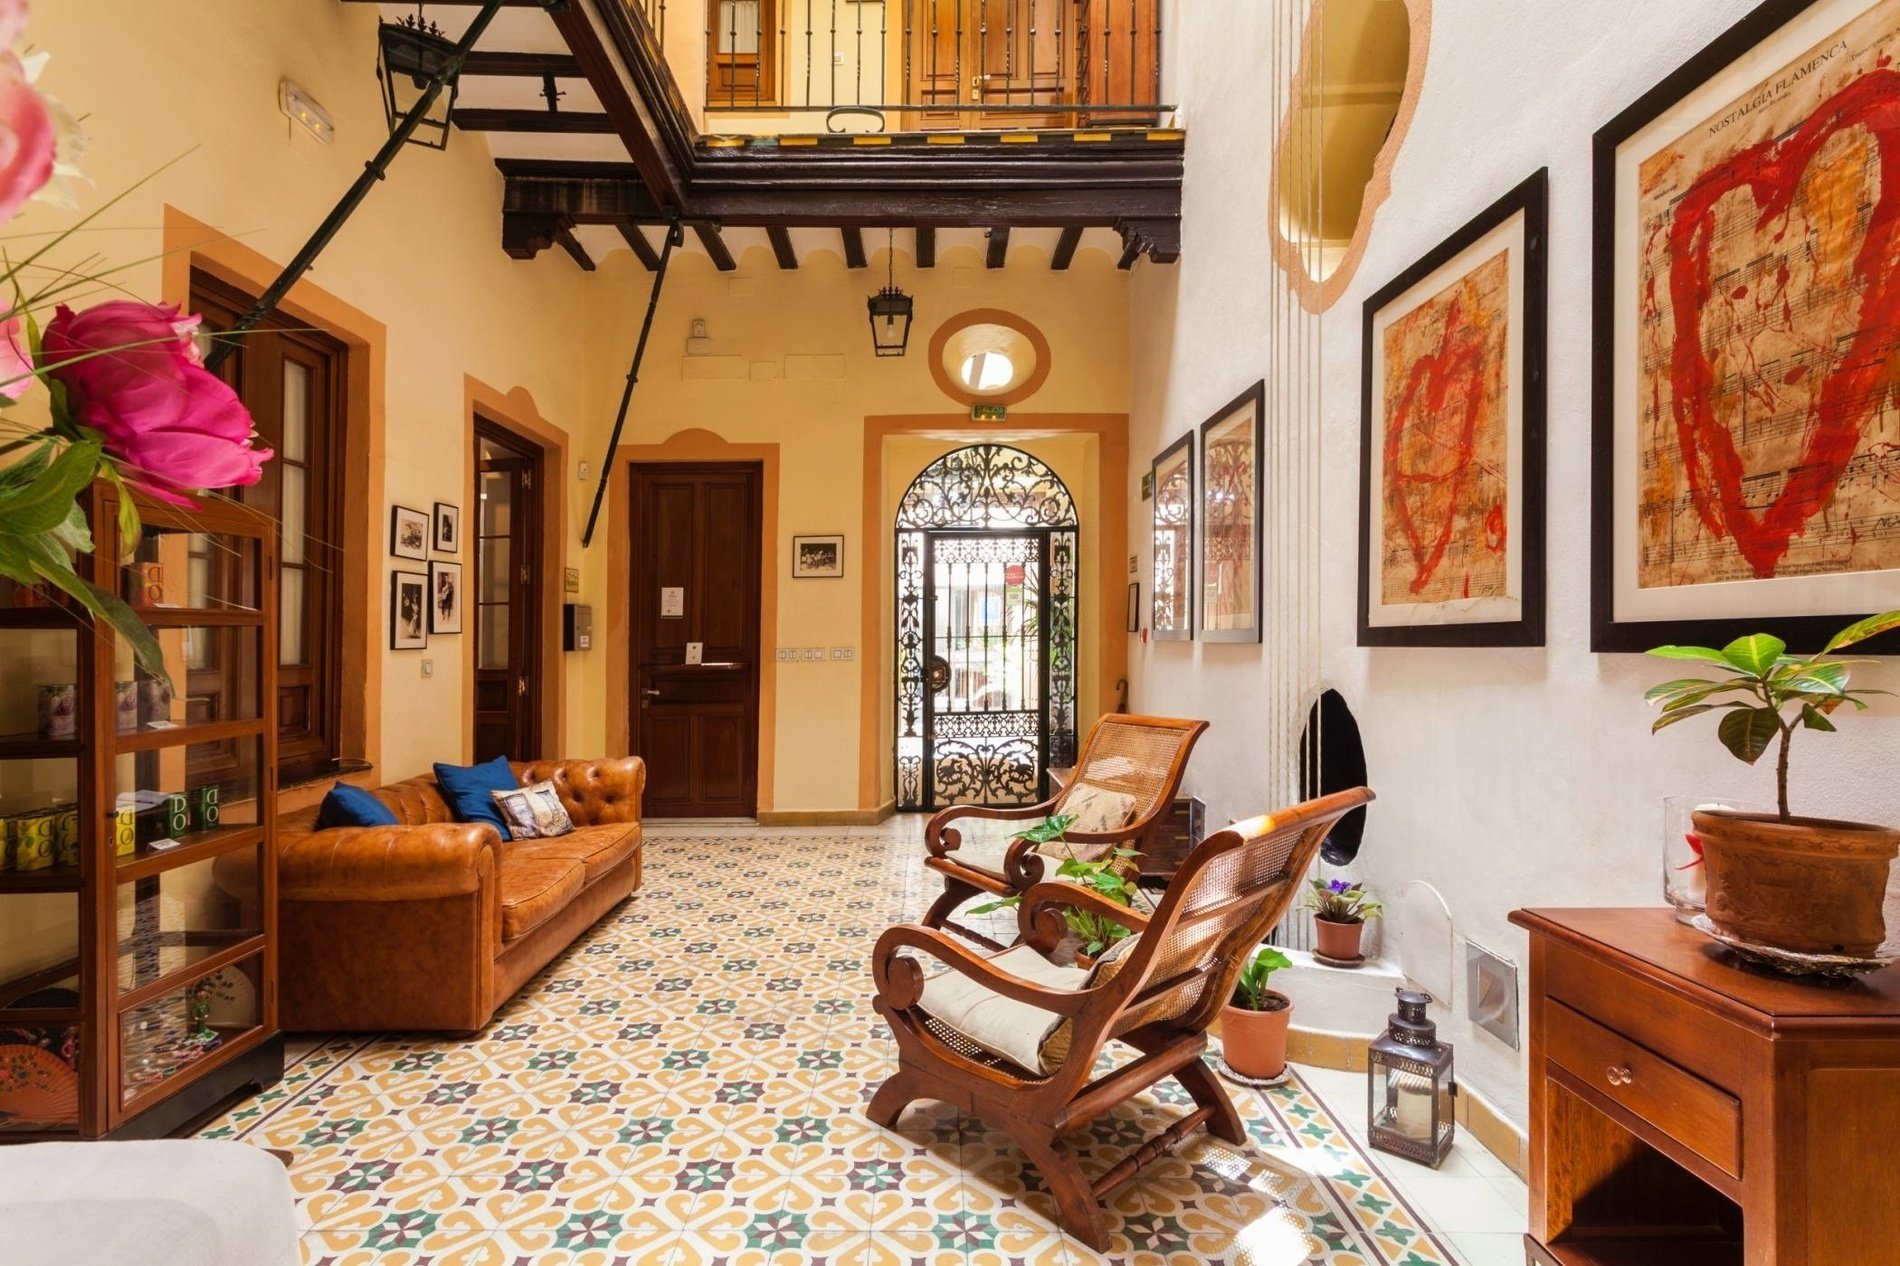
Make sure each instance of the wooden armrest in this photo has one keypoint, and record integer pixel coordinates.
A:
(900, 978)
(1046, 901)
(940, 839)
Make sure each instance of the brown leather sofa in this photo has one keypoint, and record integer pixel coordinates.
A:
(435, 923)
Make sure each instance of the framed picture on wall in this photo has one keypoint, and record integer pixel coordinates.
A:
(445, 597)
(1451, 438)
(1230, 519)
(448, 528)
(1747, 290)
(1134, 606)
(1173, 582)
(408, 532)
(408, 611)
(817, 557)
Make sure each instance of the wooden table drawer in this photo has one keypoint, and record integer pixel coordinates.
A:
(1691, 1037)
(1701, 1117)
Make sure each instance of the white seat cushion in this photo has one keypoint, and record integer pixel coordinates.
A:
(179, 1202)
(1002, 1026)
(985, 843)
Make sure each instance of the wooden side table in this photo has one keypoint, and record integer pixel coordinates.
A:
(1687, 1109)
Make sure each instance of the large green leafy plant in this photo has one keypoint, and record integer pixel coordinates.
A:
(1109, 877)
(1767, 693)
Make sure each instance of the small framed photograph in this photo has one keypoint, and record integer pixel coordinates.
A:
(448, 528)
(445, 597)
(408, 532)
(817, 557)
(1134, 606)
(408, 611)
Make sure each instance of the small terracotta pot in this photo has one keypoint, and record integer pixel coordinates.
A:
(1810, 885)
(1254, 1042)
(1337, 940)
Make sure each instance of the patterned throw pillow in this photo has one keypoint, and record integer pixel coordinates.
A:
(1097, 809)
(534, 812)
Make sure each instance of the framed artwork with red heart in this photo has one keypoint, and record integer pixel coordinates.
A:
(1451, 446)
(1746, 455)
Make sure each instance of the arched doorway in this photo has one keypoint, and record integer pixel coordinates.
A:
(986, 622)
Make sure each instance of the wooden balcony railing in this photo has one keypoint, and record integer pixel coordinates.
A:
(916, 65)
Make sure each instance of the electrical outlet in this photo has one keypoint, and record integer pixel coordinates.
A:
(812, 652)
(787, 654)
(428, 668)
(844, 652)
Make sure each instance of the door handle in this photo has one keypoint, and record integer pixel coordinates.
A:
(651, 693)
(521, 686)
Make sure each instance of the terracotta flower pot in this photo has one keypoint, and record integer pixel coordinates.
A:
(1809, 885)
(1337, 940)
(1254, 1042)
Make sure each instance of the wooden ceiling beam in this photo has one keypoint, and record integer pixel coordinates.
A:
(566, 240)
(716, 247)
(999, 246)
(1065, 248)
(1131, 252)
(853, 246)
(470, 120)
(637, 242)
(526, 65)
(926, 246)
(781, 238)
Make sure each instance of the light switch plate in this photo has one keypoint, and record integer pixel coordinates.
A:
(428, 668)
(844, 652)
(813, 652)
(787, 654)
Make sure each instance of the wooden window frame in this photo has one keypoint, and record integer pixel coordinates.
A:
(721, 93)
(313, 750)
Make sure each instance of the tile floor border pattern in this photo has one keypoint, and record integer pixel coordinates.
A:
(686, 1083)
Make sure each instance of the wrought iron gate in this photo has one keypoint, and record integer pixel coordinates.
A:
(986, 622)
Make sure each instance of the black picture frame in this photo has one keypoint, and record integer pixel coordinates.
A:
(399, 515)
(1254, 401)
(446, 534)
(411, 632)
(1134, 606)
(1529, 199)
(805, 567)
(1182, 450)
(450, 620)
(1611, 629)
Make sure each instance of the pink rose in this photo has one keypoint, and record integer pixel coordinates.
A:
(27, 140)
(12, 22)
(169, 421)
(16, 366)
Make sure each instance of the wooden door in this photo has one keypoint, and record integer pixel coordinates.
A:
(990, 63)
(508, 596)
(696, 578)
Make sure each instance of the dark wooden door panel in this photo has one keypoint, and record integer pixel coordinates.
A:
(501, 587)
(696, 531)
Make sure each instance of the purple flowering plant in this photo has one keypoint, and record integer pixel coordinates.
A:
(1341, 901)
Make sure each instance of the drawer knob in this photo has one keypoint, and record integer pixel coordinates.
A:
(1620, 1076)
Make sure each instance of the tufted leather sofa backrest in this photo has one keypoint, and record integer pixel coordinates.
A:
(597, 791)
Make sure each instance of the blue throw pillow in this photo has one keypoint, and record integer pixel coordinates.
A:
(466, 788)
(352, 806)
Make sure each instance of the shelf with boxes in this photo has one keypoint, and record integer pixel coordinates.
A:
(137, 877)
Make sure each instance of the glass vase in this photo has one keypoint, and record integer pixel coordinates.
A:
(1685, 883)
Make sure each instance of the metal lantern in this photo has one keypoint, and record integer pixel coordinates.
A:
(890, 311)
(1411, 1099)
(411, 55)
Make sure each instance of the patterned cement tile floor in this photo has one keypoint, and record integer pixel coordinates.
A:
(685, 1086)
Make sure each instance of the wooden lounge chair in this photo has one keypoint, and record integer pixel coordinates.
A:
(1124, 783)
(1013, 1036)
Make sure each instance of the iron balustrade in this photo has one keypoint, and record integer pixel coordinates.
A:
(931, 64)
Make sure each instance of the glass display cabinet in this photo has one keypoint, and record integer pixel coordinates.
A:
(138, 879)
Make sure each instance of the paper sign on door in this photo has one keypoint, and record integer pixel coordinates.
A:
(672, 603)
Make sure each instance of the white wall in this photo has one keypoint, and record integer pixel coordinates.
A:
(1505, 778)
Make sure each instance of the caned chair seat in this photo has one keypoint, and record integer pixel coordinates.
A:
(1125, 782)
(1013, 1036)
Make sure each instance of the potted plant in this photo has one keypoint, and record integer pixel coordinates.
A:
(1113, 877)
(1807, 885)
(1340, 910)
(1253, 1024)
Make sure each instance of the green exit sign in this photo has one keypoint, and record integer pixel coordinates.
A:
(988, 412)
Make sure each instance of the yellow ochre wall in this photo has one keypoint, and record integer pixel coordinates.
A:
(438, 317)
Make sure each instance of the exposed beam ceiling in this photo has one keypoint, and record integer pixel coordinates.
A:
(1131, 251)
(999, 246)
(853, 246)
(926, 246)
(638, 244)
(1065, 248)
(715, 247)
(782, 246)
(531, 65)
(566, 240)
(532, 121)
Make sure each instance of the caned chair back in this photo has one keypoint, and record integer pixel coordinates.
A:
(1233, 890)
(1139, 756)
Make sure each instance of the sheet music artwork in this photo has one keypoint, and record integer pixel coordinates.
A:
(1768, 285)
